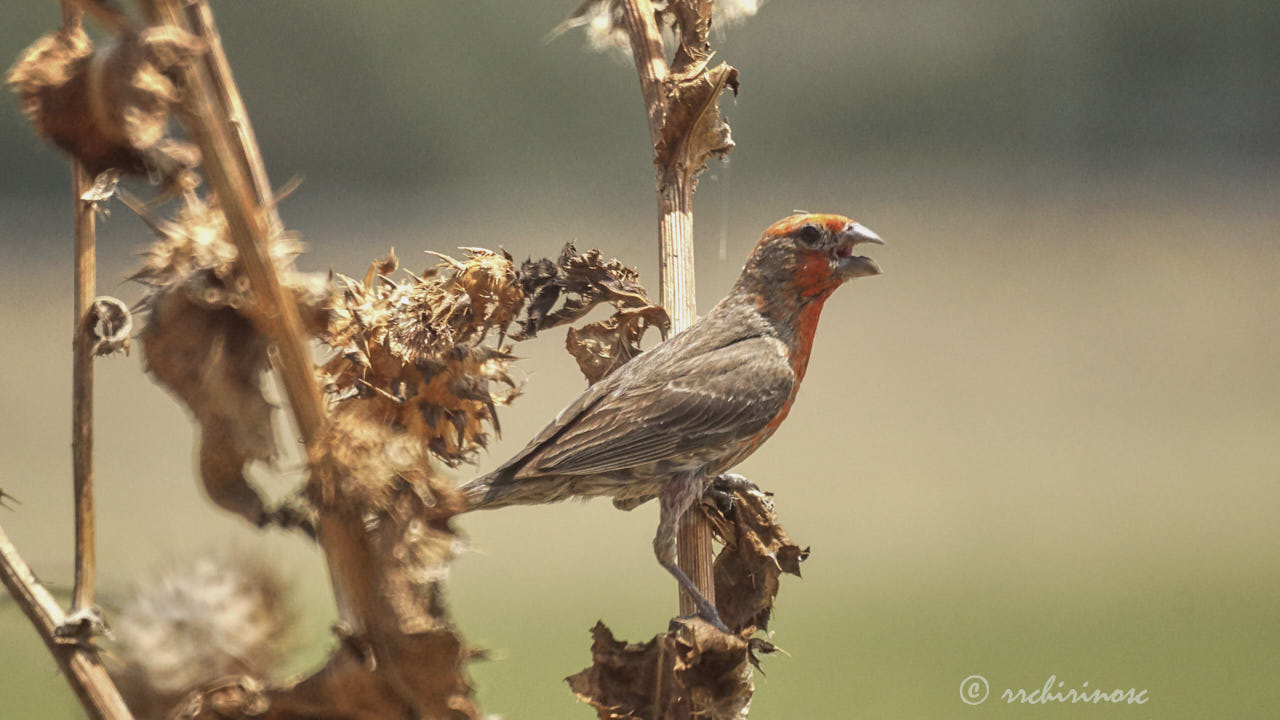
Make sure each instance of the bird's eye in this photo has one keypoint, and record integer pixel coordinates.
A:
(809, 235)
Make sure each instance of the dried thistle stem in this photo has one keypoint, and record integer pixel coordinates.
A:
(79, 662)
(85, 282)
(200, 15)
(72, 14)
(675, 238)
(82, 390)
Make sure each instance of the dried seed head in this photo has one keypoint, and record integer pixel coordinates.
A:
(603, 22)
(108, 107)
(219, 614)
(417, 349)
(197, 241)
(730, 11)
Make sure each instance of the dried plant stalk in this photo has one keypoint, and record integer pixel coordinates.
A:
(200, 16)
(77, 659)
(380, 522)
(226, 162)
(686, 129)
(82, 390)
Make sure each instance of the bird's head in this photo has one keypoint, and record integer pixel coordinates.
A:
(810, 254)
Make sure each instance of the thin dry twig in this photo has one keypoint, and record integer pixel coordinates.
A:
(84, 278)
(200, 16)
(78, 660)
(82, 390)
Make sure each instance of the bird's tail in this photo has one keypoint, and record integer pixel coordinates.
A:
(500, 489)
(484, 492)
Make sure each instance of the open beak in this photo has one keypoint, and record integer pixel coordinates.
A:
(852, 265)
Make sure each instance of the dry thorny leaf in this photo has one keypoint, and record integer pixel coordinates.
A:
(693, 671)
(578, 282)
(199, 342)
(108, 106)
(693, 131)
(756, 552)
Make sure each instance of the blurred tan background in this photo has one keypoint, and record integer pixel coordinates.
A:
(1043, 443)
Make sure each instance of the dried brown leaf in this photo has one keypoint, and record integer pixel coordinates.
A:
(343, 689)
(565, 290)
(213, 360)
(602, 347)
(199, 342)
(693, 671)
(693, 131)
(576, 283)
(756, 552)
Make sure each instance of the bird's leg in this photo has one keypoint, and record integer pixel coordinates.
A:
(675, 499)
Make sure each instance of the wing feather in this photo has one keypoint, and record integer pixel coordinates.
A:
(664, 411)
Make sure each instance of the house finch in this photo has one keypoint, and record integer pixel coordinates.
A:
(671, 420)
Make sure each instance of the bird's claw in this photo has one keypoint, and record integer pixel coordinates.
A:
(720, 491)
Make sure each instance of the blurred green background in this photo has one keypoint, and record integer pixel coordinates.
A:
(1043, 443)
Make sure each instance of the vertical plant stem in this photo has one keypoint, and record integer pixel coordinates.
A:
(675, 213)
(675, 239)
(82, 367)
(82, 391)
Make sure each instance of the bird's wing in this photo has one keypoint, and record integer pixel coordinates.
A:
(672, 406)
